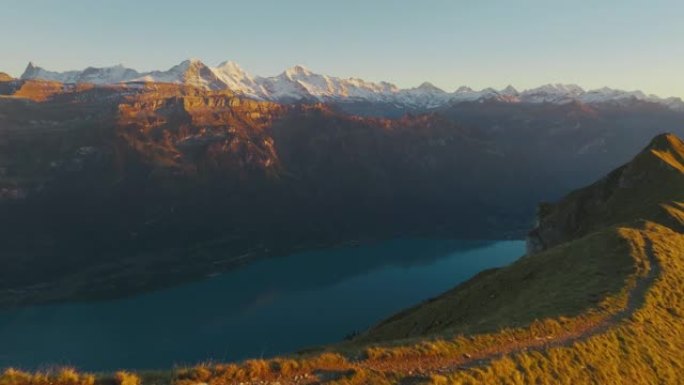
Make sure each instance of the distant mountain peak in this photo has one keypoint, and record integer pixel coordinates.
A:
(231, 66)
(30, 71)
(427, 86)
(509, 90)
(189, 63)
(298, 70)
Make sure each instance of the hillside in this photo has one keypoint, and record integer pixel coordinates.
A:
(602, 304)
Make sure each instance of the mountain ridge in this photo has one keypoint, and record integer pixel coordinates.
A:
(298, 83)
(647, 187)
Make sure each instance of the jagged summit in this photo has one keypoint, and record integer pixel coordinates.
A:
(30, 67)
(32, 71)
(301, 83)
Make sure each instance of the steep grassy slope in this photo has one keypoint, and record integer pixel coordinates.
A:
(565, 280)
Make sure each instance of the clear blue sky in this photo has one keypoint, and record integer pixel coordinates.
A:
(619, 43)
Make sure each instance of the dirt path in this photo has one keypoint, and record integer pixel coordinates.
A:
(416, 369)
(420, 367)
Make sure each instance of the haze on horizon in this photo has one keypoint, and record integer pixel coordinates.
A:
(621, 44)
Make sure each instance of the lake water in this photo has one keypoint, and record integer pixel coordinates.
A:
(272, 306)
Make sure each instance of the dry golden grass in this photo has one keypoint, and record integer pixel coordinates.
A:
(65, 376)
(126, 378)
(646, 349)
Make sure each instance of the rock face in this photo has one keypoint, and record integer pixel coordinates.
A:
(5, 78)
(635, 190)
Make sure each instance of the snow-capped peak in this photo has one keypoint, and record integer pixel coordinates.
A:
(104, 75)
(464, 89)
(297, 71)
(231, 67)
(552, 93)
(300, 83)
(429, 87)
(238, 80)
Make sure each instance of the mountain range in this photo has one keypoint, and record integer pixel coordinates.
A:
(116, 188)
(301, 84)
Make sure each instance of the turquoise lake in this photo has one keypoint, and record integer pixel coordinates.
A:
(269, 307)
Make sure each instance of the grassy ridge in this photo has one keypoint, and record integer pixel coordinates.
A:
(536, 287)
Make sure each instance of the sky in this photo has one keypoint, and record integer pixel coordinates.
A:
(623, 44)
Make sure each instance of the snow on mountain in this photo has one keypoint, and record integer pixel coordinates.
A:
(191, 72)
(239, 81)
(610, 95)
(301, 84)
(105, 75)
(673, 103)
(552, 93)
(426, 95)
